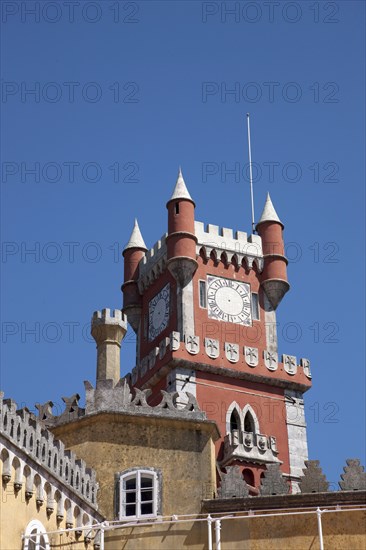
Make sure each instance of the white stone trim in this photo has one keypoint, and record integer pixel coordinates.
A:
(234, 405)
(153, 263)
(296, 434)
(222, 240)
(178, 380)
(186, 323)
(41, 531)
(270, 324)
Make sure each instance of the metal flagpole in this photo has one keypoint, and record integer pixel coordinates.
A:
(250, 173)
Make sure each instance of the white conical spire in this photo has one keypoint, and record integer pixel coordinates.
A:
(136, 240)
(269, 213)
(180, 190)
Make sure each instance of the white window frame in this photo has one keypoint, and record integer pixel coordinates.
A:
(137, 474)
(205, 293)
(41, 531)
(252, 308)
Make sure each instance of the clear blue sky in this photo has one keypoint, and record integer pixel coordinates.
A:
(118, 105)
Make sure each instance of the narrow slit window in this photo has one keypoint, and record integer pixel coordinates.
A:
(202, 290)
(249, 423)
(177, 207)
(255, 307)
(234, 421)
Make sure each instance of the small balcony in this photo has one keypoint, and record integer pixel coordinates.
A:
(249, 447)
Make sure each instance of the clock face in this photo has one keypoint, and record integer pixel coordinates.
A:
(228, 300)
(159, 308)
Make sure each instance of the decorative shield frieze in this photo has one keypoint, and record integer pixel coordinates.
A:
(174, 341)
(235, 438)
(232, 352)
(273, 443)
(251, 356)
(212, 348)
(248, 439)
(261, 442)
(192, 344)
(305, 363)
(270, 359)
(290, 364)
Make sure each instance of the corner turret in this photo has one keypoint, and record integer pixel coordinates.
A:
(181, 239)
(133, 252)
(274, 275)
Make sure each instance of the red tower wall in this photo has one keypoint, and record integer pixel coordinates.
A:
(215, 394)
(275, 262)
(181, 240)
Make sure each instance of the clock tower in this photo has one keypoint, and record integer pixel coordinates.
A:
(203, 305)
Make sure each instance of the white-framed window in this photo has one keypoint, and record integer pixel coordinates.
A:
(139, 493)
(35, 537)
(202, 294)
(255, 306)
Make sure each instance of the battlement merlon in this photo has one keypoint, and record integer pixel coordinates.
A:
(214, 238)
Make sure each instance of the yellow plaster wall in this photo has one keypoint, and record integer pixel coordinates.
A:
(16, 512)
(341, 531)
(183, 451)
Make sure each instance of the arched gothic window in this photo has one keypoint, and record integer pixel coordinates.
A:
(249, 425)
(241, 419)
(234, 421)
(250, 420)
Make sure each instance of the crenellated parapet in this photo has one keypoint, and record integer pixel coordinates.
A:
(109, 317)
(24, 431)
(71, 412)
(106, 398)
(236, 246)
(153, 263)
